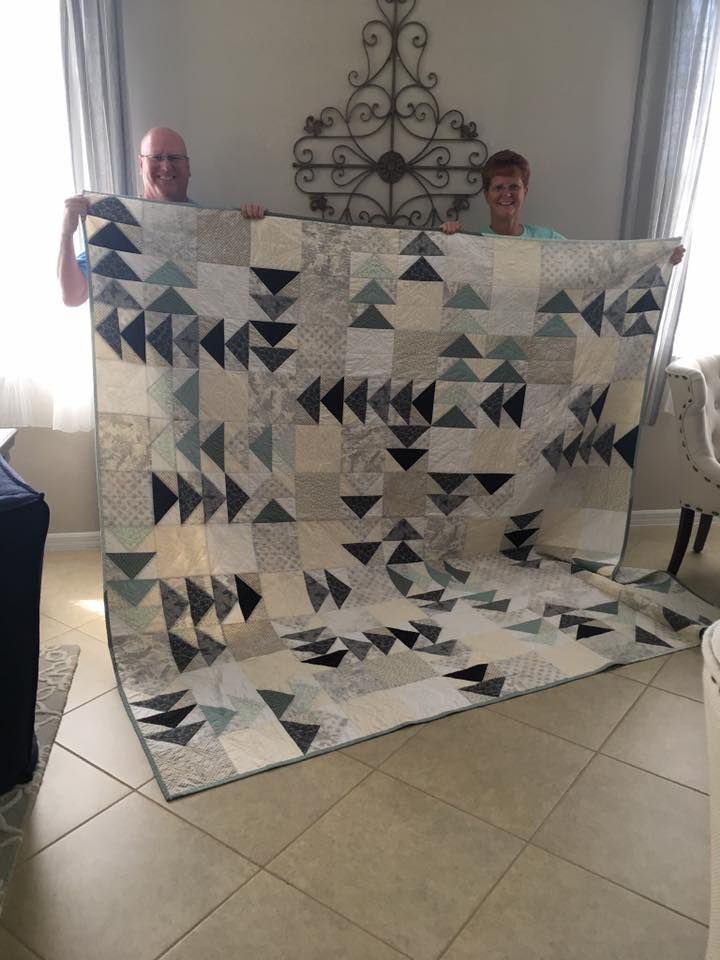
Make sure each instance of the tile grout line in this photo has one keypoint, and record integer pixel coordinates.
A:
(91, 700)
(370, 771)
(493, 707)
(97, 767)
(164, 952)
(326, 906)
(475, 909)
(617, 883)
(575, 779)
(652, 773)
(449, 803)
(168, 805)
(72, 830)
(33, 953)
(674, 693)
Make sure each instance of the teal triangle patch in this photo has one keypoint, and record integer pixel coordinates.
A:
(164, 445)
(370, 293)
(273, 513)
(130, 563)
(284, 444)
(439, 576)
(189, 394)
(372, 319)
(262, 447)
(507, 350)
(467, 322)
(170, 275)
(138, 618)
(612, 607)
(277, 700)
(462, 347)
(466, 298)
(162, 392)
(560, 303)
(454, 418)
(214, 446)
(374, 268)
(505, 373)
(460, 372)
(132, 591)
(530, 626)
(170, 302)
(555, 327)
(189, 445)
(130, 537)
(402, 583)
(217, 717)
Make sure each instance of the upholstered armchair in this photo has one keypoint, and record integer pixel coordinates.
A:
(695, 386)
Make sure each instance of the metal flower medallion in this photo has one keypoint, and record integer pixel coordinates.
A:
(391, 155)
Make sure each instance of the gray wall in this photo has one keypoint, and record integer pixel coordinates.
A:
(554, 79)
(62, 466)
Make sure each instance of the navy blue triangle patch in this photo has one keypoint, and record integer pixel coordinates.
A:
(134, 335)
(214, 343)
(111, 236)
(273, 279)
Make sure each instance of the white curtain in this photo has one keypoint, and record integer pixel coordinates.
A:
(671, 117)
(45, 360)
(68, 67)
(698, 331)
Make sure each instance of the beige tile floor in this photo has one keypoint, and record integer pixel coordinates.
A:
(568, 824)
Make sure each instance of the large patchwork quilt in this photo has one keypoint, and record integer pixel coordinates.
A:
(353, 477)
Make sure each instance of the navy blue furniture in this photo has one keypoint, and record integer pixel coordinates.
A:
(24, 520)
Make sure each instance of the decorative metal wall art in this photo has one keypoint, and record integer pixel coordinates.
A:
(391, 156)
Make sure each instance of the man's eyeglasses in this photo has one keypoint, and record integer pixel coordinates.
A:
(170, 157)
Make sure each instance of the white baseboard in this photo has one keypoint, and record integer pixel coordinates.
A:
(89, 540)
(655, 518)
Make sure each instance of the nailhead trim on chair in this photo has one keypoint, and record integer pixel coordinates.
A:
(681, 417)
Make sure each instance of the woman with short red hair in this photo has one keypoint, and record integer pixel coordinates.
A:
(506, 176)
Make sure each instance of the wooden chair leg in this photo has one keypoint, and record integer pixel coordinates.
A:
(687, 516)
(702, 532)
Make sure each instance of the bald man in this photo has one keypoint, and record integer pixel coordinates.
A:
(165, 170)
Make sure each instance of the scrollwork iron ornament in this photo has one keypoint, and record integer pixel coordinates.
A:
(391, 156)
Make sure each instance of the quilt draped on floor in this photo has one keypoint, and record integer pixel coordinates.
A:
(353, 477)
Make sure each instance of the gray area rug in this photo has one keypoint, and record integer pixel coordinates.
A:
(57, 666)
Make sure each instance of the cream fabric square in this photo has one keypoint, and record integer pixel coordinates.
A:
(369, 353)
(230, 548)
(482, 536)
(223, 395)
(121, 387)
(277, 243)
(622, 396)
(285, 595)
(318, 448)
(320, 543)
(418, 305)
(595, 360)
(222, 291)
(181, 551)
(517, 263)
